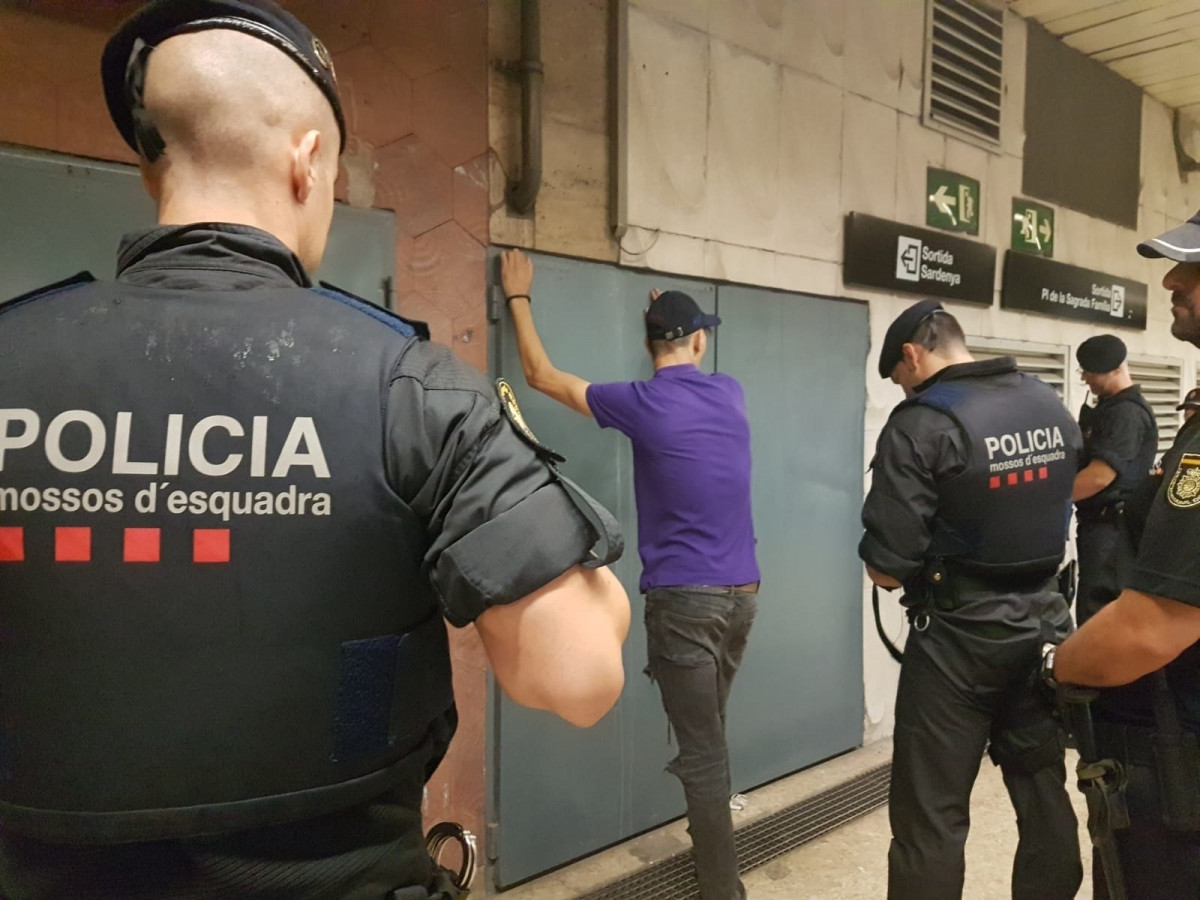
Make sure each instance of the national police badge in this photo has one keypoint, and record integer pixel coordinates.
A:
(1184, 490)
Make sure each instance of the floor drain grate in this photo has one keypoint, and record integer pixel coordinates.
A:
(760, 841)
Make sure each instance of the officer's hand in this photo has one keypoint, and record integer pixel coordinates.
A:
(516, 272)
(655, 294)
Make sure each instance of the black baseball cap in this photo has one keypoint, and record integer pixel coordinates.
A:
(123, 63)
(1181, 244)
(901, 331)
(675, 314)
(1101, 353)
(1191, 400)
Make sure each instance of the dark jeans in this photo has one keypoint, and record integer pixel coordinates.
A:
(959, 693)
(1106, 558)
(695, 639)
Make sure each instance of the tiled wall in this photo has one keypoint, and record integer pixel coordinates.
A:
(413, 76)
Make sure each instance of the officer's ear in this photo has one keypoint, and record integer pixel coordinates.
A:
(911, 355)
(305, 162)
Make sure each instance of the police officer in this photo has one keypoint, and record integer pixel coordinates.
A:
(234, 510)
(968, 511)
(1149, 728)
(1120, 441)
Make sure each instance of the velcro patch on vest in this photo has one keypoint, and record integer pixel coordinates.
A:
(1184, 490)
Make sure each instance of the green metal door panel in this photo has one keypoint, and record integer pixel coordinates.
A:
(60, 215)
(798, 698)
(561, 792)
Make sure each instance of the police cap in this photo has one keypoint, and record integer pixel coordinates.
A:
(1181, 244)
(1101, 353)
(1191, 401)
(900, 332)
(124, 58)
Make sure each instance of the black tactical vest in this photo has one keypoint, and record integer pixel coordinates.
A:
(213, 614)
(1006, 514)
(1128, 481)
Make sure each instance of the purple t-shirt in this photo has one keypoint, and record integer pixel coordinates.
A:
(691, 474)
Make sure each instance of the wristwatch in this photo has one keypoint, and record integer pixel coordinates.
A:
(1047, 671)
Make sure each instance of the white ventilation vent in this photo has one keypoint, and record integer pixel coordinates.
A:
(964, 63)
(1047, 361)
(1161, 378)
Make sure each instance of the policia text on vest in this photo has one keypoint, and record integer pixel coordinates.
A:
(79, 442)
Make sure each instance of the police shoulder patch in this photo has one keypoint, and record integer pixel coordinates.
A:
(512, 412)
(1184, 490)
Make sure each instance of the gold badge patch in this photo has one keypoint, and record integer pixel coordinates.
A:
(1184, 490)
(508, 400)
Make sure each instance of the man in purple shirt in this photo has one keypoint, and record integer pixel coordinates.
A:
(691, 478)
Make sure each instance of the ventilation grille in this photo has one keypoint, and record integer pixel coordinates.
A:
(964, 67)
(761, 841)
(1047, 361)
(1161, 379)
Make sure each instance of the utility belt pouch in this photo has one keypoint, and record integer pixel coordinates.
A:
(936, 579)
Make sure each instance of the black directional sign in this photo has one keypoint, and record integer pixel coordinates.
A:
(1050, 288)
(884, 254)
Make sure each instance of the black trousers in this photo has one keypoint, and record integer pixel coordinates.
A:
(1157, 863)
(1106, 558)
(959, 694)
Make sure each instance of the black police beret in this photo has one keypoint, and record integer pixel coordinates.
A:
(900, 331)
(162, 19)
(1101, 353)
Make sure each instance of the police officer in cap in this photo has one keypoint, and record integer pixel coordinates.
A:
(1147, 640)
(249, 503)
(967, 512)
(1190, 404)
(1120, 441)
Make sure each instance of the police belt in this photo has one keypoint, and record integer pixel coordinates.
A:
(1107, 512)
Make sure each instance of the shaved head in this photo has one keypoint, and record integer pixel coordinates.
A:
(249, 138)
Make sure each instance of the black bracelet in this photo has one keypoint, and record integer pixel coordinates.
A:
(518, 297)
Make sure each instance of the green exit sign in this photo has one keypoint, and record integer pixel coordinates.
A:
(952, 201)
(1032, 228)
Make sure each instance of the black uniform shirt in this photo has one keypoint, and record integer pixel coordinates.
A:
(1123, 435)
(1168, 565)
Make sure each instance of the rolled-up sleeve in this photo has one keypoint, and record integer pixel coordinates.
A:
(499, 525)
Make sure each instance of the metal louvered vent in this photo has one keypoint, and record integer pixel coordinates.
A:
(760, 841)
(1161, 378)
(1047, 361)
(964, 63)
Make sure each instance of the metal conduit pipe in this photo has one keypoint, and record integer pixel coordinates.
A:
(522, 193)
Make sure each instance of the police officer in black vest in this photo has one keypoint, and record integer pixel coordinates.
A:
(1120, 441)
(235, 510)
(967, 512)
(1143, 648)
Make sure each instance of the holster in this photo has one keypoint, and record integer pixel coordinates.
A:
(1176, 761)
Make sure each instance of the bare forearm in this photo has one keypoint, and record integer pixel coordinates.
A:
(535, 361)
(1092, 480)
(1131, 637)
(884, 581)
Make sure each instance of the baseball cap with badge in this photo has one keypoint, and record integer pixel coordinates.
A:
(123, 65)
(675, 314)
(1191, 400)
(1181, 244)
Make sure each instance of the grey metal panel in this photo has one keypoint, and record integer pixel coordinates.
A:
(558, 792)
(798, 698)
(60, 215)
